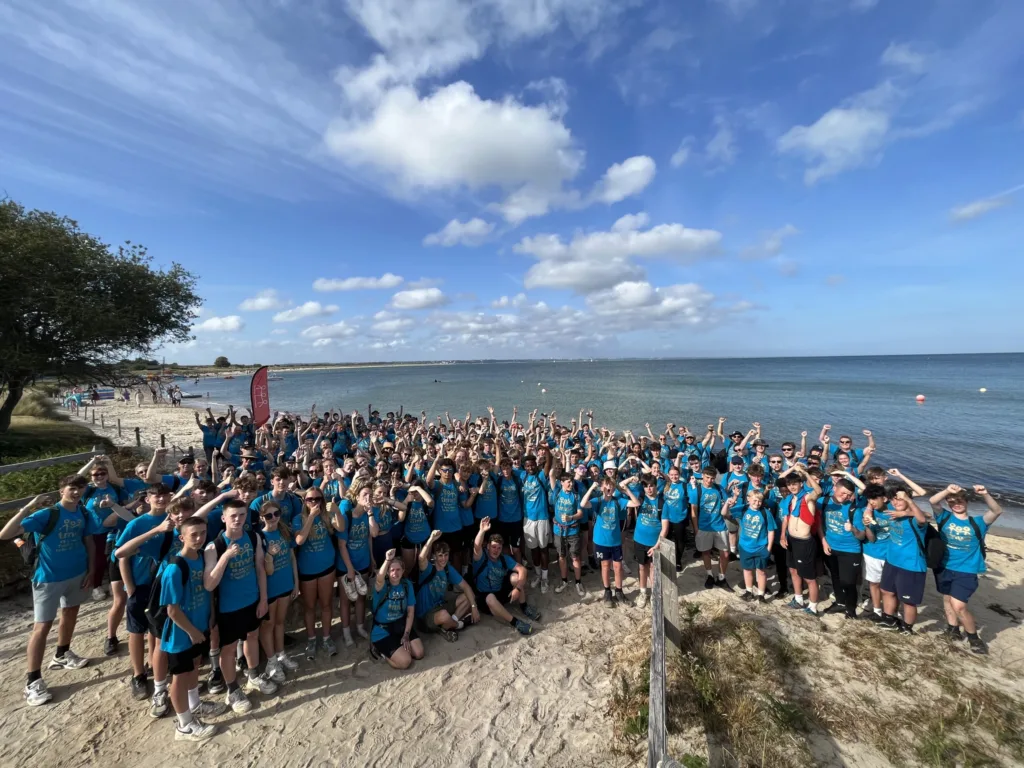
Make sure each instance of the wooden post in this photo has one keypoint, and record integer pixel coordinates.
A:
(102, 425)
(118, 427)
(657, 733)
(163, 442)
(670, 593)
(138, 438)
(93, 415)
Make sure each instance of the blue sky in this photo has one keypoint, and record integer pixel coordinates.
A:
(361, 180)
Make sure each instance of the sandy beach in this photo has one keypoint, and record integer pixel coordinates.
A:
(491, 699)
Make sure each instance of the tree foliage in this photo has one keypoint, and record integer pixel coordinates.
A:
(72, 307)
(221, 362)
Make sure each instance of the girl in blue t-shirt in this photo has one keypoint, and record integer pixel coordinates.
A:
(282, 587)
(419, 503)
(394, 609)
(314, 541)
(354, 560)
(964, 536)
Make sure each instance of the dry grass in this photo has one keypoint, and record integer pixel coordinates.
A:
(37, 404)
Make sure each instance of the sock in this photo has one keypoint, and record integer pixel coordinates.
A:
(565, 581)
(193, 698)
(159, 685)
(709, 573)
(721, 577)
(312, 638)
(61, 650)
(33, 676)
(578, 581)
(513, 622)
(972, 635)
(215, 660)
(184, 720)
(253, 672)
(280, 655)
(756, 592)
(877, 611)
(954, 628)
(799, 599)
(544, 574)
(812, 606)
(233, 686)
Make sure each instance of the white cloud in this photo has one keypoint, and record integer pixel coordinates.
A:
(228, 324)
(841, 139)
(505, 301)
(419, 298)
(721, 150)
(681, 155)
(387, 280)
(640, 304)
(863, 5)
(388, 322)
(308, 309)
(279, 331)
(455, 232)
(264, 300)
(339, 330)
(973, 210)
(630, 222)
(393, 344)
(771, 243)
(625, 179)
(904, 56)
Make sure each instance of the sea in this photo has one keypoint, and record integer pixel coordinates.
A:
(968, 430)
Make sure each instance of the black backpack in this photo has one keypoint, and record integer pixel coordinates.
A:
(28, 545)
(156, 613)
(932, 546)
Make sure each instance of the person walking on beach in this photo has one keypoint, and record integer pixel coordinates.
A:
(61, 537)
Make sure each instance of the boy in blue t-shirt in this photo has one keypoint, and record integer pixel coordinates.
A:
(186, 632)
(757, 529)
(434, 611)
(706, 501)
(903, 576)
(964, 536)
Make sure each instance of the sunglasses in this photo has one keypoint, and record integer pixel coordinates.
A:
(98, 474)
(314, 499)
(271, 515)
(446, 469)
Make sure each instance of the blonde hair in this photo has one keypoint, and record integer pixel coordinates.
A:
(282, 525)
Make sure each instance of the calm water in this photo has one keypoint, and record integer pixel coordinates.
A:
(958, 435)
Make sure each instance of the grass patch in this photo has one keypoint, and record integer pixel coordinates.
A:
(31, 437)
(37, 404)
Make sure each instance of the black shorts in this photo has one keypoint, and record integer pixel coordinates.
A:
(511, 533)
(282, 596)
(469, 534)
(454, 539)
(185, 661)
(640, 555)
(315, 576)
(235, 625)
(504, 595)
(114, 571)
(406, 544)
(393, 641)
(135, 611)
(803, 557)
(845, 567)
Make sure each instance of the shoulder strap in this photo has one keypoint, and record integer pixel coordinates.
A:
(252, 540)
(184, 568)
(220, 545)
(53, 515)
(920, 541)
(981, 538)
(165, 545)
(852, 510)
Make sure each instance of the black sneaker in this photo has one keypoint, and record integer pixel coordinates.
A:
(906, 629)
(764, 599)
(746, 597)
(836, 608)
(978, 645)
(110, 646)
(140, 690)
(709, 582)
(723, 584)
(679, 569)
(608, 596)
(950, 632)
(215, 682)
(871, 616)
(619, 595)
(889, 623)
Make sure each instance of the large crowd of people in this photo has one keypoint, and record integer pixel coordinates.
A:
(424, 525)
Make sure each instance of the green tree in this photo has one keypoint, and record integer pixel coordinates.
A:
(72, 307)
(221, 362)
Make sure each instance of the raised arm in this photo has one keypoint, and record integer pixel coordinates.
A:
(424, 558)
(994, 510)
(916, 489)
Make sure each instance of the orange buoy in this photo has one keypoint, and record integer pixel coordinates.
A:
(921, 398)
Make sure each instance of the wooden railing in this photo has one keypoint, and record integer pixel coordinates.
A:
(67, 459)
(664, 638)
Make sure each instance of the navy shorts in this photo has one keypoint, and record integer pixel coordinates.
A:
(135, 610)
(612, 554)
(753, 561)
(908, 586)
(511, 533)
(957, 584)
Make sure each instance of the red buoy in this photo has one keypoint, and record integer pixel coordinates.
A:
(920, 398)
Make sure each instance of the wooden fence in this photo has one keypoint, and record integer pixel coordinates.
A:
(665, 638)
(67, 459)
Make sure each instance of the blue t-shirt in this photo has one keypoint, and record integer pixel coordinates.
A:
(238, 587)
(417, 524)
(99, 514)
(535, 501)
(432, 590)
(487, 502)
(390, 604)
(447, 514)
(144, 561)
(878, 548)
(607, 514)
(510, 503)
(566, 505)
(648, 522)
(490, 574)
(733, 480)
(211, 436)
(356, 536)
(963, 547)
(62, 554)
(754, 527)
(677, 502)
(282, 580)
(316, 554)
(906, 538)
(191, 597)
(835, 517)
(709, 503)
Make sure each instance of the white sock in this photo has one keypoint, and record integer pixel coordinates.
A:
(812, 606)
(193, 698)
(710, 574)
(799, 599)
(544, 574)
(280, 655)
(878, 611)
(184, 719)
(721, 577)
(159, 685)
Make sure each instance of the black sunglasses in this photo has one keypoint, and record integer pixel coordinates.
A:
(271, 515)
(311, 499)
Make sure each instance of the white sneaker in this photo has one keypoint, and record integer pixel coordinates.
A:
(275, 671)
(350, 588)
(99, 593)
(70, 660)
(194, 731)
(543, 586)
(560, 588)
(346, 635)
(535, 581)
(260, 683)
(209, 709)
(288, 662)
(238, 701)
(580, 590)
(360, 585)
(36, 693)
(361, 630)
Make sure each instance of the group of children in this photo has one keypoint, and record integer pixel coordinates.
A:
(426, 524)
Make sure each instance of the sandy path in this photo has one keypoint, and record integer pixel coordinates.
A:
(491, 699)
